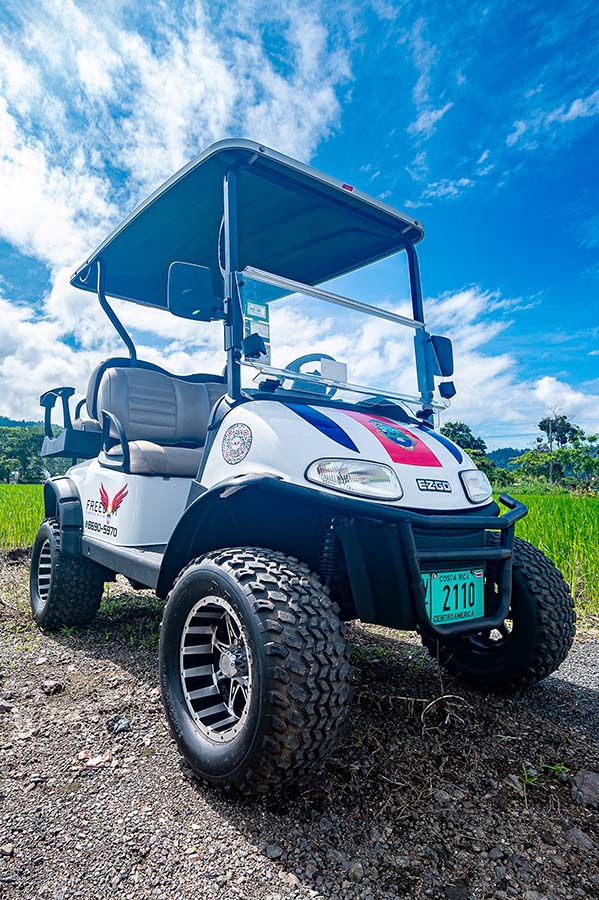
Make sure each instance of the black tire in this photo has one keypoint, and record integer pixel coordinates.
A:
(65, 591)
(298, 660)
(542, 630)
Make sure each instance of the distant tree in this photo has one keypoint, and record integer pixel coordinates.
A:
(559, 431)
(20, 451)
(503, 457)
(461, 434)
(482, 462)
(539, 464)
(580, 460)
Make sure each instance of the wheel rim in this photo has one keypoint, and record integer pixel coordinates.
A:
(44, 572)
(216, 669)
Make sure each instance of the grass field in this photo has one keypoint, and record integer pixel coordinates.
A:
(21, 511)
(564, 526)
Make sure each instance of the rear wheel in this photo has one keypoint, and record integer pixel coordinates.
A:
(65, 591)
(532, 642)
(254, 669)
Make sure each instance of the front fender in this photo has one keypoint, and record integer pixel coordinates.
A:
(62, 502)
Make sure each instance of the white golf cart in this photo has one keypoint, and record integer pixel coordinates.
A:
(270, 514)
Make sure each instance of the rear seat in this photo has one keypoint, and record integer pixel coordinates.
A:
(165, 417)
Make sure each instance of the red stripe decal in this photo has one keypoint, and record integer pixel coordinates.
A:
(402, 445)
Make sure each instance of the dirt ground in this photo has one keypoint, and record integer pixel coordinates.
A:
(468, 797)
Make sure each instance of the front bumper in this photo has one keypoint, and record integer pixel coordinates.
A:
(370, 554)
(385, 565)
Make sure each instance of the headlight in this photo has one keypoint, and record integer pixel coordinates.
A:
(365, 479)
(476, 484)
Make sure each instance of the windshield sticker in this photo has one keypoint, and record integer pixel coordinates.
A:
(402, 445)
(256, 321)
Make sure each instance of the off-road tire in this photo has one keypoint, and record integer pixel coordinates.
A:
(299, 662)
(543, 629)
(73, 595)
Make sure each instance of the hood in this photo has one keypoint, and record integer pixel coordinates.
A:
(287, 437)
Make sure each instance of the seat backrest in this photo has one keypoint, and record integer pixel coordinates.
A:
(156, 406)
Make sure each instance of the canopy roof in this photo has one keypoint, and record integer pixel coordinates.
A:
(292, 220)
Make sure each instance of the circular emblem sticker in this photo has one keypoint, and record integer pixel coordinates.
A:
(236, 443)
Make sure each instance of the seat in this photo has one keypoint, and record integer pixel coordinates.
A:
(164, 417)
(148, 458)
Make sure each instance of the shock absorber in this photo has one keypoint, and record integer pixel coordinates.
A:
(328, 555)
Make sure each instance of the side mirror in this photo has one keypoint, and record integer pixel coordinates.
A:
(443, 351)
(190, 295)
(447, 390)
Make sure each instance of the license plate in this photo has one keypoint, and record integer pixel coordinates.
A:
(454, 596)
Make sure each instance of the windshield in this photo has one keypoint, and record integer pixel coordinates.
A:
(321, 344)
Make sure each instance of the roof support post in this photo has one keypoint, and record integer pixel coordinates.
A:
(234, 320)
(423, 347)
(118, 325)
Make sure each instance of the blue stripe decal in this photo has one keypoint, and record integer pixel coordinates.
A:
(325, 425)
(455, 451)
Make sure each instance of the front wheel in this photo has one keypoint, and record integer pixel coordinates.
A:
(532, 642)
(253, 669)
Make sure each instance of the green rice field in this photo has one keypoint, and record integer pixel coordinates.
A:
(564, 526)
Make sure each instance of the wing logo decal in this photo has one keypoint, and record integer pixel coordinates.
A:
(110, 506)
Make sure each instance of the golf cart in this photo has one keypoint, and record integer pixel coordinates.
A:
(271, 512)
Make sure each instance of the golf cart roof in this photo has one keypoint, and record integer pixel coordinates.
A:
(292, 220)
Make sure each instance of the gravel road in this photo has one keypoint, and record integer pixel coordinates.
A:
(469, 798)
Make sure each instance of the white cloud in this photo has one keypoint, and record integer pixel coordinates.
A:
(87, 95)
(64, 340)
(425, 56)
(426, 120)
(541, 121)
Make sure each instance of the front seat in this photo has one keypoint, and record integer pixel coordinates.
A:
(164, 417)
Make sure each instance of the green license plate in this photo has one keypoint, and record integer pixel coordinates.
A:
(454, 596)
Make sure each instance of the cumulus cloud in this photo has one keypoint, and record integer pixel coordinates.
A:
(64, 340)
(95, 113)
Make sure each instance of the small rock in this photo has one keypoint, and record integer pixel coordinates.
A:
(291, 879)
(585, 788)
(7, 850)
(514, 783)
(458, 891)
(5, 706)
(50, 687)
(577, 838)
(356, 871)
(496, 853)
(441, 797)
(273, 851)
(41, 660)
(118, 724)
(500, 872)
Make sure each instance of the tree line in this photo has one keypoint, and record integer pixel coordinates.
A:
(563, 455)
(20, 458)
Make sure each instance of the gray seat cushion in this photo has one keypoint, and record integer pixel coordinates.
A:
(154, 406)
(148, 458)
(84, 423)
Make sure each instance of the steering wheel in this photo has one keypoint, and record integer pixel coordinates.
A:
(299, 385)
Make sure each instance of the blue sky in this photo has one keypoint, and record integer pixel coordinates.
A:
(481, 120)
